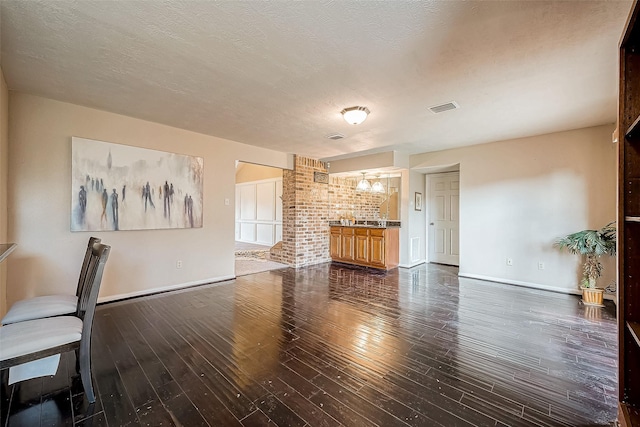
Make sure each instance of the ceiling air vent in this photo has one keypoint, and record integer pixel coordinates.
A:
(335, 136)
(444, 107)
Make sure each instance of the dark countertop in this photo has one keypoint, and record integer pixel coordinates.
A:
(366, 226)
(360, 226)
(368, 223)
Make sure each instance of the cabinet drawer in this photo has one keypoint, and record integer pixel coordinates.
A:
(377, 232)
(347, 231)
(361, 231)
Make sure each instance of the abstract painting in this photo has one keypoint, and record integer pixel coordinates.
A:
(120, 187)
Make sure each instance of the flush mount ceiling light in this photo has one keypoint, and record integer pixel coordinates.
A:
(363, 185)
(355, 115)
(377, 186)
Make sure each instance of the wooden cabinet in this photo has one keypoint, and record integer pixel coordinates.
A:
(629, 224)
(335, 243)
(376, 248)
(347, 252)
(362, 246)
(369, 247)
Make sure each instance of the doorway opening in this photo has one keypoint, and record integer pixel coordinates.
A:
(258, 217)
(443, 217)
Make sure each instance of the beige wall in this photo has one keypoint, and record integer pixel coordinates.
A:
(48, 256)
(413, 236)
(517, 197)
(247, 172)
(4, 176)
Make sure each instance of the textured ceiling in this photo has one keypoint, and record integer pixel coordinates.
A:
(277, 74)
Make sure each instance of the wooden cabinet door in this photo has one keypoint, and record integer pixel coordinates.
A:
(376, 250)
(362, 250)
(347, 250)
(334, 244)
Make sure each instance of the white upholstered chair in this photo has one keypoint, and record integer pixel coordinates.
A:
(50, 305)
(32, 340)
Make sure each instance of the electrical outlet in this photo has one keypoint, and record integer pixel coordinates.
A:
(227, 202)
(179, 263)
(541, 265)
(509, 261)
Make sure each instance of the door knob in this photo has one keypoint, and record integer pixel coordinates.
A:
(431, 223)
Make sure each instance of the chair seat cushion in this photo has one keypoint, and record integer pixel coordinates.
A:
(39, 307)
(19, 339)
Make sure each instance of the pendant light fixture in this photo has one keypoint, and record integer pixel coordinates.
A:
(363, 185)
(377, 186)
(355, 115)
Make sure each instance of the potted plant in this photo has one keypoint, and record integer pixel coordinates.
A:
(592, 244)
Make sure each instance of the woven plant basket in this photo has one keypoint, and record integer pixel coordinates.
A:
(593, 296)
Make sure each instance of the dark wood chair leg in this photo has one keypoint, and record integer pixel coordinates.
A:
(77, 361)
(85, 370)
(6, 388)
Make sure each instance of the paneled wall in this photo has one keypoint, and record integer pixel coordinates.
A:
(259, 211)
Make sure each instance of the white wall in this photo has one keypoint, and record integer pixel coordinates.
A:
(517, 197)
(39, 201)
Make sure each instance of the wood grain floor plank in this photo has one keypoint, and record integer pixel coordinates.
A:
(56, 409)
(300, 405)
(98, 420)
(330, 345)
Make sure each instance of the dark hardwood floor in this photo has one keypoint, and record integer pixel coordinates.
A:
(330, 345)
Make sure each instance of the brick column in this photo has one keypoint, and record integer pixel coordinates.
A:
(305, 222)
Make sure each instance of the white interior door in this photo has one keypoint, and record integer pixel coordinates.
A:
(444, 209)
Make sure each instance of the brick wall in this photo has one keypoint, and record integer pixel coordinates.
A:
(308, 206)
(345, 201)
(305, 221)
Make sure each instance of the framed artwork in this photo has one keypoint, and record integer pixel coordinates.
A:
(119, 187)
(418, 202)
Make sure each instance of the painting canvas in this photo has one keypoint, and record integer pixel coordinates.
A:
(119, 187)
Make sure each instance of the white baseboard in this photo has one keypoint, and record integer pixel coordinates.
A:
(523, 284)
(413, 264)
(610, 297)
(164, 289)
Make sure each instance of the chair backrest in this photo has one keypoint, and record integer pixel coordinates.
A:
(89, 296)
(85, 264)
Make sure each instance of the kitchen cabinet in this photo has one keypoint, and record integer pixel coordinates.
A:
(362, 246)
(374, 247)
(348, 245)
(335, 247)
